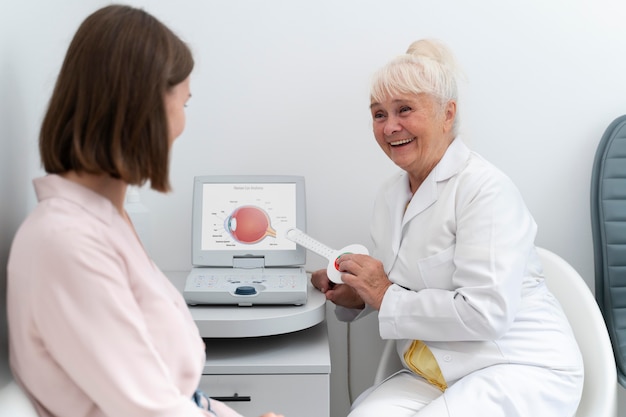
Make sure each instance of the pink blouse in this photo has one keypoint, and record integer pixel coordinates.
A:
(95, 328)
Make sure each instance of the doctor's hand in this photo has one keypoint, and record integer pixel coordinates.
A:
(366, 276)
(339, 294)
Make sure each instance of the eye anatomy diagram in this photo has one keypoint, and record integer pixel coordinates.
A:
(248, 216)
(249, 224)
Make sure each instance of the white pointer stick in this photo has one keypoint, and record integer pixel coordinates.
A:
(301, 238)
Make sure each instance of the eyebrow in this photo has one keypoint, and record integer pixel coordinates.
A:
(395, 101)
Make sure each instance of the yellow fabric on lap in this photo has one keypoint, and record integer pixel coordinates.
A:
(421, 360)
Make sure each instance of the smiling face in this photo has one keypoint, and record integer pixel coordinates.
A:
(414, 130)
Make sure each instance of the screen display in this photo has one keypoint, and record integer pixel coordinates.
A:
(247, 216)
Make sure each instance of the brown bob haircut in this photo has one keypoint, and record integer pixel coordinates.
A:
(107, 112)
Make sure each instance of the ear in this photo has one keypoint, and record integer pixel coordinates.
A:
(449, 115)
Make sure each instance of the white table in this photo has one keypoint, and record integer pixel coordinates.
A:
(266, 358)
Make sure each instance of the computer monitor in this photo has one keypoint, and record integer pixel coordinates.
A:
(243, 219)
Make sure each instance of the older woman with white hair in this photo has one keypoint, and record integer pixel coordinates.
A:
(454, 273)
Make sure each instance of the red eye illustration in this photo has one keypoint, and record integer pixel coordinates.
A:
(249, 224)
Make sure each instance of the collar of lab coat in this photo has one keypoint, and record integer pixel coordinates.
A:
(399, 192)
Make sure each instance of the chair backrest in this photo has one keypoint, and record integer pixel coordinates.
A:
(599, 398)
(14, 403)
(608, 225)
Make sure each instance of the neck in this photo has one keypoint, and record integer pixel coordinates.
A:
(110, 188)
(418, 175)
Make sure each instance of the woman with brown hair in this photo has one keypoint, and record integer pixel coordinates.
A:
(95, 328)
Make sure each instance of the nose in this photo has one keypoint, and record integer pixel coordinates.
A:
(392, 125)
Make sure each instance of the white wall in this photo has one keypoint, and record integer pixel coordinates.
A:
(282, 87)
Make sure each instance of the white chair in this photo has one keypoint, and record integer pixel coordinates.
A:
(599, 397)
(14, 403)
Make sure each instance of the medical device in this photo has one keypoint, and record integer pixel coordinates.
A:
(240, 252)
(332, 255)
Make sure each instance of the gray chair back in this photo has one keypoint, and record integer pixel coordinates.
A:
(608, 224)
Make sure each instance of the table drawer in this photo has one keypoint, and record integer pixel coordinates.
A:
(302, 395)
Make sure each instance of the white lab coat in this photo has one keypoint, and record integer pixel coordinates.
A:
(467, 279)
